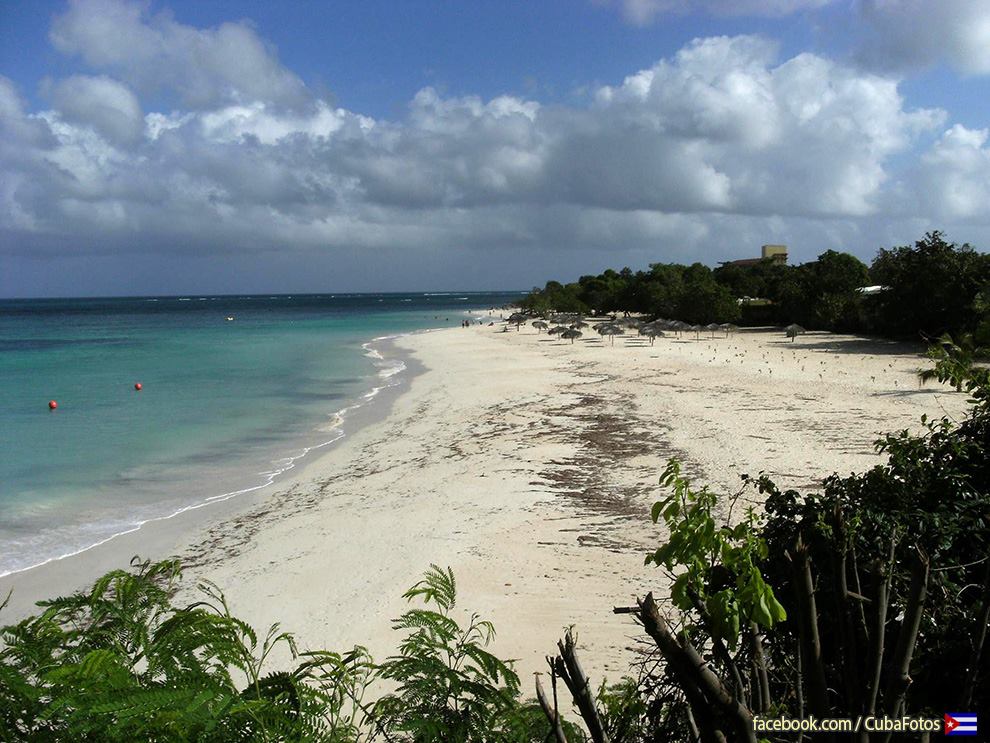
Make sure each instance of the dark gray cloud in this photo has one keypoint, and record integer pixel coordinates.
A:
(904, 35)
(105, 104)
(644, 12)
(888, 36)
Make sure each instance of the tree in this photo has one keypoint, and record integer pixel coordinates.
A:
(741, 281)
(831, 300)
(554, 297)
(703, 301)
(930, 288)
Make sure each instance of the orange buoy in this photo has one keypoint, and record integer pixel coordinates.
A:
(137, 386)
(52, 404)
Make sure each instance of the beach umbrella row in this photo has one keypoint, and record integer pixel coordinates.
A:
(562, 322)
(565, 318)
(678, 326)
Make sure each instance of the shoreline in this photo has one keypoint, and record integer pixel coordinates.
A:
(161, 536)
(528, 465)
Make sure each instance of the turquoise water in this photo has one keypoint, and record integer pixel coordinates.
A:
(226, 406)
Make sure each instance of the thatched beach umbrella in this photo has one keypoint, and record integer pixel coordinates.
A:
(571, 333)
(540, 326)
(579, 324)
(793, 331)
(611, 331)
(556, 330)
(652, 332)
(712, 328)
(517, 319)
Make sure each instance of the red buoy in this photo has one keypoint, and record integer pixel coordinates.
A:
(137, 386)
(52, 404)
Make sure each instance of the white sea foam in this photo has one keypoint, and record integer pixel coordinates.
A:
(388, 369)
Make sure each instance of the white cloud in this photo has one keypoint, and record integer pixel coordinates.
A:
(954, 178)
(203, 67)
(720, 146)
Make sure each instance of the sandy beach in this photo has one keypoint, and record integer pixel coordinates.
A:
(528, 465)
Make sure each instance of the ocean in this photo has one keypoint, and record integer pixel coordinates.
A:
(226, 406)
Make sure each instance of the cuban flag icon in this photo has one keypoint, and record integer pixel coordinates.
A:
(960, 723)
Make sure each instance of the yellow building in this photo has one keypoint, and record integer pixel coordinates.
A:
(776, 253)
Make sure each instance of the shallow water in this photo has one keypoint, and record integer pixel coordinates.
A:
(225, 407)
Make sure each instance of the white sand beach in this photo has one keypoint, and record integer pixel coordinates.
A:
(528, 465)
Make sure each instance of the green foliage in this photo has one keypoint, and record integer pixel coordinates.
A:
(120, 662)
(703, 300)
(932, 288)
(862, 535)
(957, 364)
(687, 292)
(715, 568)
(554, 297)
(932, 491)
(624, 710)
(450, 688)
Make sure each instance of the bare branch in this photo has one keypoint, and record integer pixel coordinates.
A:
(551, 713)
(569, 669)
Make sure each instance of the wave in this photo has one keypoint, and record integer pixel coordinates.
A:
(388, 371)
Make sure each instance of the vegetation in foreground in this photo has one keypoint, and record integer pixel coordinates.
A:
(871, 597)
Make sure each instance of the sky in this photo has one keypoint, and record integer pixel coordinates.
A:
(176, 146)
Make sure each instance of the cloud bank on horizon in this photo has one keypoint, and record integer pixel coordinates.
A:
(716, 148)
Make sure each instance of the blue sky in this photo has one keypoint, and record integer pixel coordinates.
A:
(168, 147)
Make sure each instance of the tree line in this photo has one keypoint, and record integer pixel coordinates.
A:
(927, 289)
